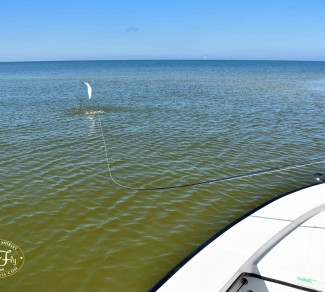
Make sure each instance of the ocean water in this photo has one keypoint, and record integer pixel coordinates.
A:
(165, 123)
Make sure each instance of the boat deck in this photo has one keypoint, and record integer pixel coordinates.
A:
(283, 241)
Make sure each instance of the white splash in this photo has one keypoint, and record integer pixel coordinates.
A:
(89, 113)
(89, 89)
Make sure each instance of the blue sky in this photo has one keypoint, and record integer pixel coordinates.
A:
(178, 29)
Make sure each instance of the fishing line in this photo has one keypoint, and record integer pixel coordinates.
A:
(212, 181)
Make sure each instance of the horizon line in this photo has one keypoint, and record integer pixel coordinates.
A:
(203, 60)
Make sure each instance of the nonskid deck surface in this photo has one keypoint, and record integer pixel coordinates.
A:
(283, 241)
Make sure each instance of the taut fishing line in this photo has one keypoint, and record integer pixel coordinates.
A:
(212, 181)
(204, 182)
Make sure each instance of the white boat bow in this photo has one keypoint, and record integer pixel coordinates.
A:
(278, 247)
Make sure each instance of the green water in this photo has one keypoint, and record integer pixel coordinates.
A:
(165, 123)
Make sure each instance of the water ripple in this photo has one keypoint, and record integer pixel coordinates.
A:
(164, 124)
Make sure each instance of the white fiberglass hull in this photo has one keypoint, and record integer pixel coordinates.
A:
(279, 247)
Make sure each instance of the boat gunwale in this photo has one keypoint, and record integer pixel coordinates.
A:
(183, 262)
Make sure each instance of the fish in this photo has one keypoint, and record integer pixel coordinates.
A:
(89, 89)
